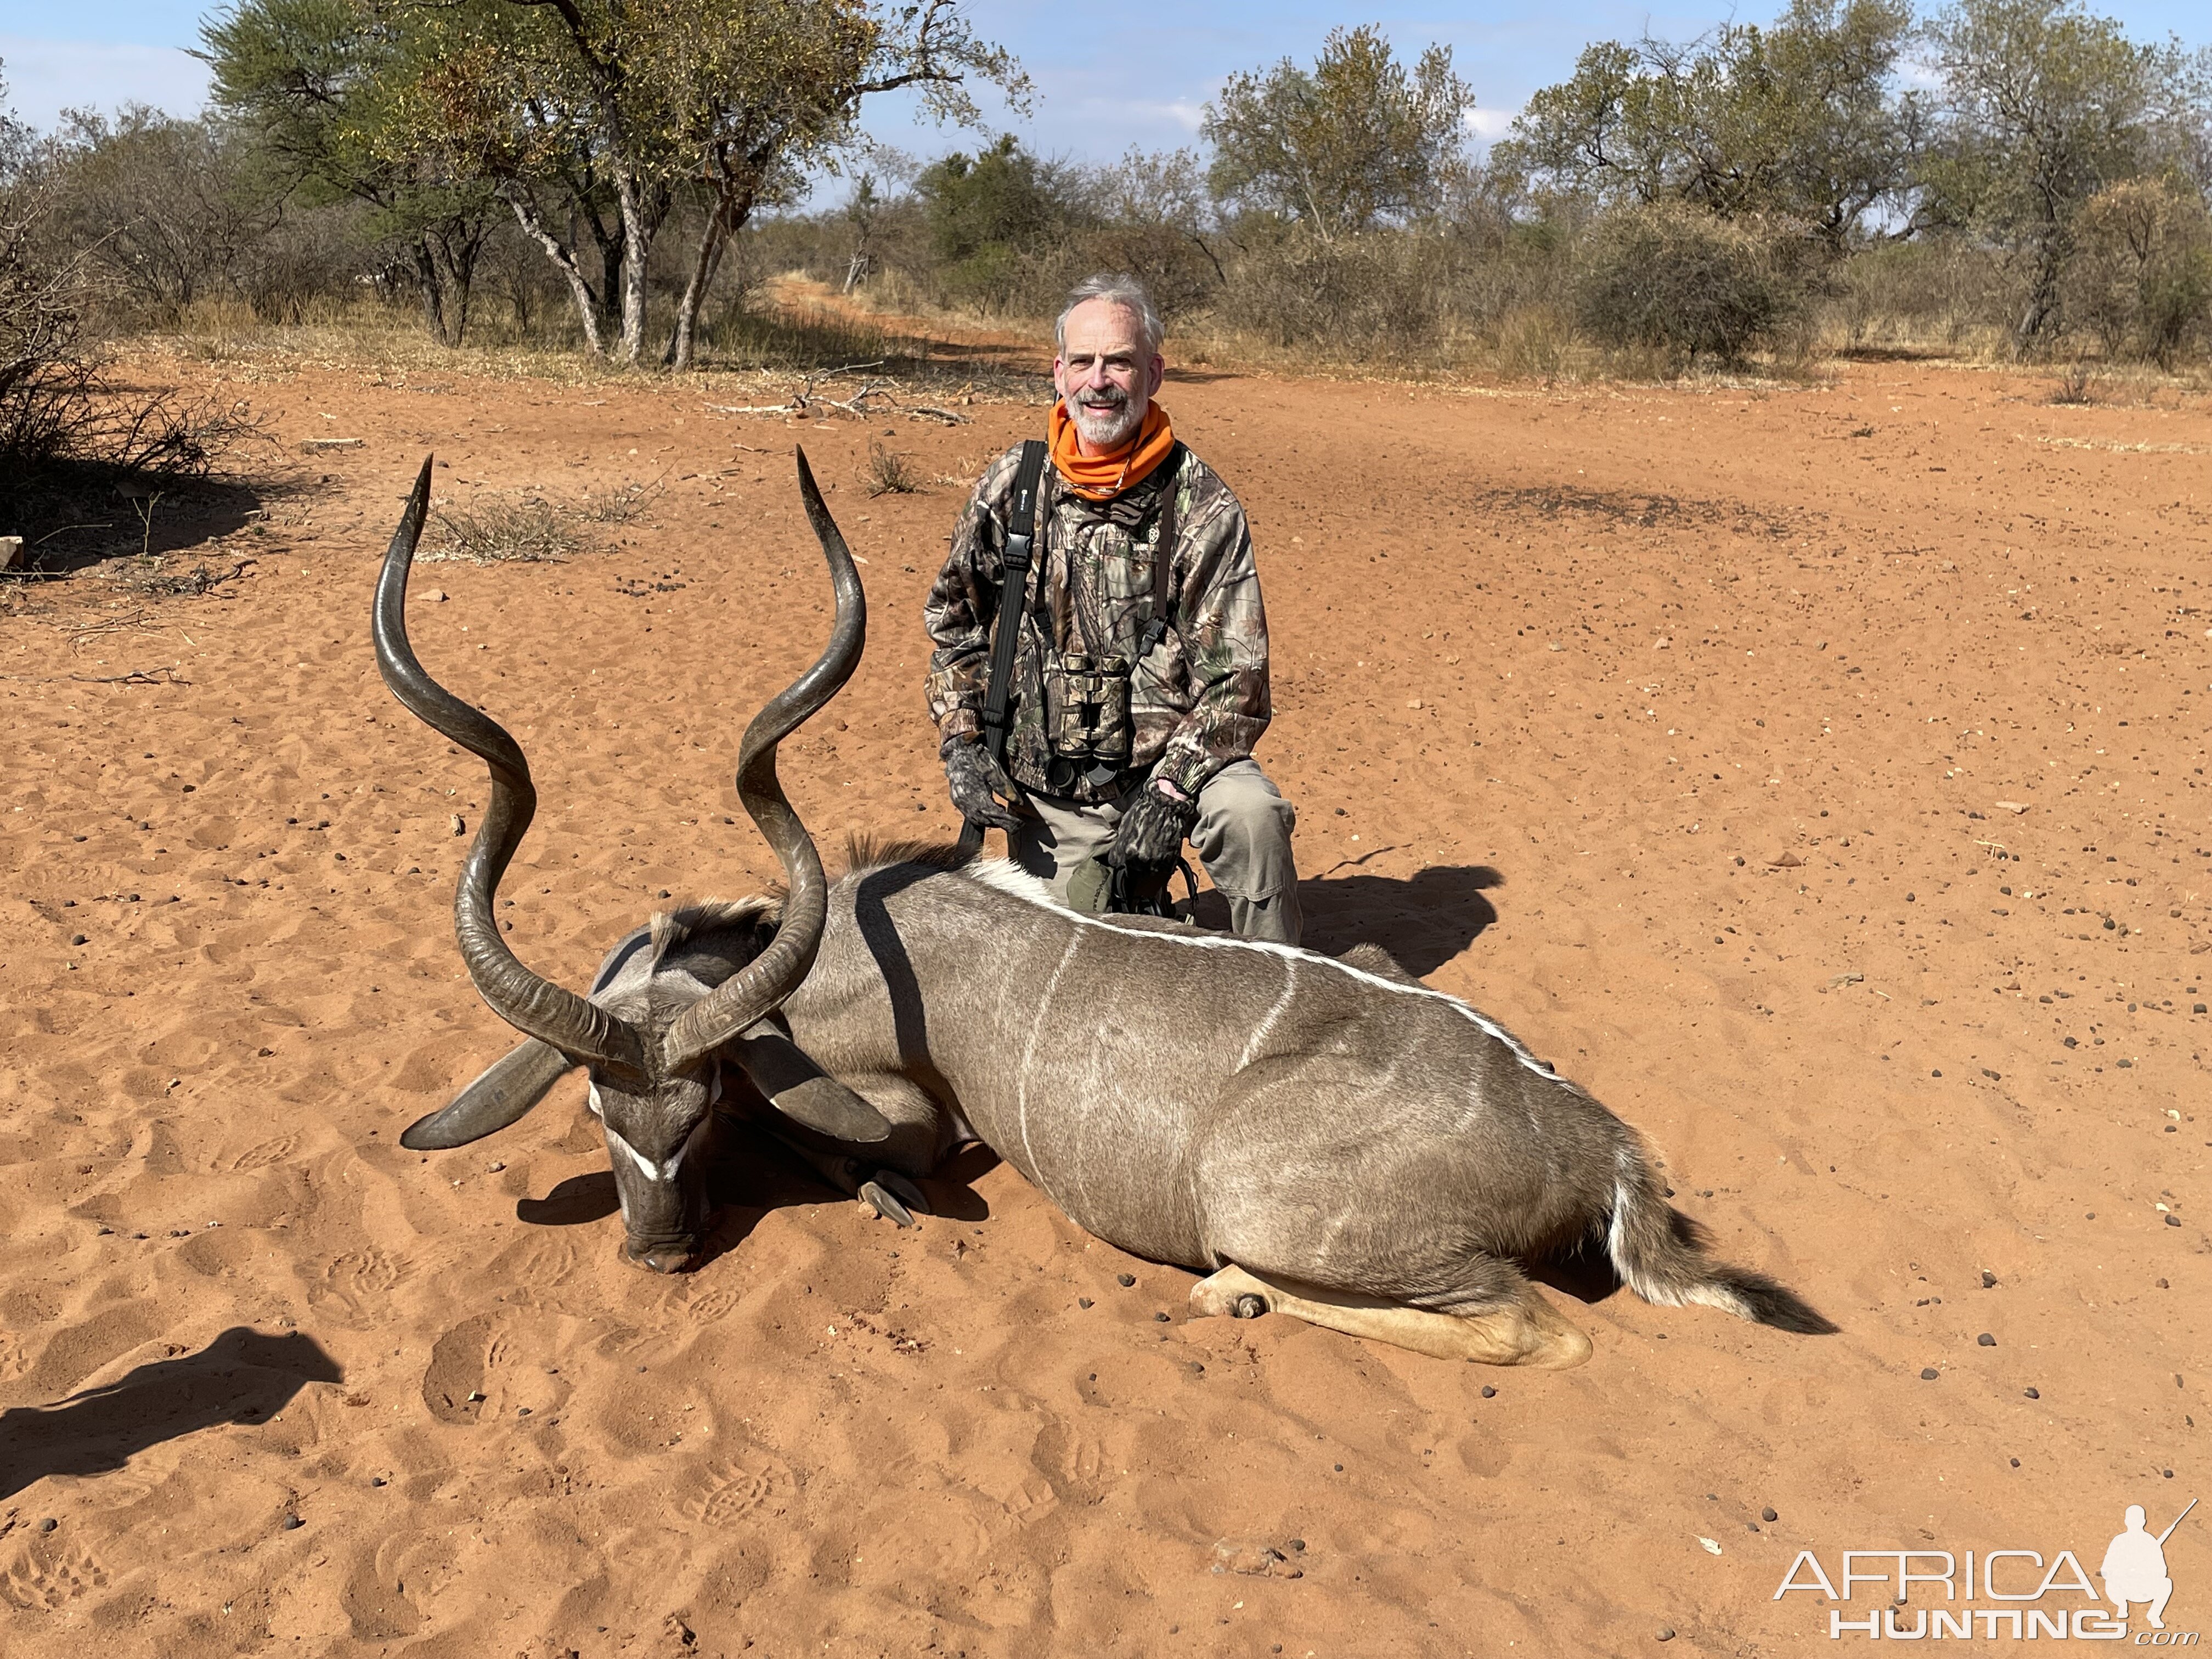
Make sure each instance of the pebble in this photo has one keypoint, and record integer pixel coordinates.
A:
(48, 1524)
(2031, 1394)
(1124, 1279)
(1489, 1393)
(292, 1523)
(1083, 1302)
(1665, 1633)
(1768, 1513)
(2015, 1462)
(1299, 1545)
(1159, 1319)
(2173, 1221)
(1989, 1280)
(376, 1480)
(1986, 1340)
(1928, 1373)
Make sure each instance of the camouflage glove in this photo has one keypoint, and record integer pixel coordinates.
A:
(1150, 836)
(977, 781)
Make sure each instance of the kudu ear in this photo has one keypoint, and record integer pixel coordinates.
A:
(505, 1093)
(803, 1092)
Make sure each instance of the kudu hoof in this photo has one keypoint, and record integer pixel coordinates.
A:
(661, 1258)
(1247, 1307)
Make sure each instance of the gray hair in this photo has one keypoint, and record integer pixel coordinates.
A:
(1117, 289)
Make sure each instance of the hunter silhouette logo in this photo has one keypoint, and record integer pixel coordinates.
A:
(1919, 1594)
(2135, 1567)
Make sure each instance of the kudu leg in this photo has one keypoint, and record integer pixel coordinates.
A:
(1527, 1330)
(888, 1194)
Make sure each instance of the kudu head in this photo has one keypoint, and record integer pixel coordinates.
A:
(654, 1053)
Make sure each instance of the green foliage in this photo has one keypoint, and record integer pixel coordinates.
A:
(984, 212)
(1356, 141)
(2047, 104)
(1802, 119)
(2142, 271)
(1671, 278)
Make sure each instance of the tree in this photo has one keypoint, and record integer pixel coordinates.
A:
(566, 103)
(1356, 141)
(2045, 105)
(319, 84)
(985, 211)
(1803, 120)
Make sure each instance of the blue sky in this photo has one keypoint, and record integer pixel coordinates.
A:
(1101, 85)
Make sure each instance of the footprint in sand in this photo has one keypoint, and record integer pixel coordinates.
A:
(261, 1157)
(355, 1281)
(44, 1576)
(731, 1490)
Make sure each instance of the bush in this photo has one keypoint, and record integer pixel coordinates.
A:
(1676, 280)
(2142, 271)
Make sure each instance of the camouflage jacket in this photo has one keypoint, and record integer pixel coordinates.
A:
(1198, 699)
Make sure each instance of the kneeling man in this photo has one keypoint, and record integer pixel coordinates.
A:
(1140, 677)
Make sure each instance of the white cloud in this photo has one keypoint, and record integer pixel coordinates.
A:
(1490, 124)
(46, 77)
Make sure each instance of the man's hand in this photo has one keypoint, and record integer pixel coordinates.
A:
(977, 781)
(1151, 834)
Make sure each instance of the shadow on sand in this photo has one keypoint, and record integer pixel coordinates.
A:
(1422, 920)
(242, 1377)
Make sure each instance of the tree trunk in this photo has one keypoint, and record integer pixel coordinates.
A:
(587, 303)
(2043, 292)
(728, 218)
(637, 243)
(453, 249)
(426, 281)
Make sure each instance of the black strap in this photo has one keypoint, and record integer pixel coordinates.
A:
(1021, 534)
(1162, 555)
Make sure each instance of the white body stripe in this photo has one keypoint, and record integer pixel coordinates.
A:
(1003, 877)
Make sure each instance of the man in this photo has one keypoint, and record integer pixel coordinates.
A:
(1140, 682)
(2134, 1569)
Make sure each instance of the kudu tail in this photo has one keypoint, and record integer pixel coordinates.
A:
(1661, 1254)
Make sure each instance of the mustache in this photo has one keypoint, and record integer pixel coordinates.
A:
(1110, 397)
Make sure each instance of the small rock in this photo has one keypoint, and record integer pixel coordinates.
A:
(1299, 1545)
(460, 828)
(2015, 1462)
(1413, 702)
(1159, 1319)
(292, 1523)
(48, 1524)
(2172, 1220)
(1084, 1301)
(437, 596)
(1768, 1513)
(2015, 807)
(376, 1480)
(1786, 859)
(1928, 1373)
(1489, 1393)
(2031, 1394)
(77, 938)
(1124, 1279)
(1665, 1633)
(1989, 1280)
(1986, 1340)
(474, 1397)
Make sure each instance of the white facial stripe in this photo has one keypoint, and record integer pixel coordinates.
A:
(647, 1167)
(644, 1165)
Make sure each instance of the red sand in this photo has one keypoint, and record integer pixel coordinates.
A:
(1670, 727)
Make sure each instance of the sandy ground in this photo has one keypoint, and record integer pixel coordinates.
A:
(1817, 774)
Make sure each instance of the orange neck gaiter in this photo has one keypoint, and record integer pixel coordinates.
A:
(1101, 477)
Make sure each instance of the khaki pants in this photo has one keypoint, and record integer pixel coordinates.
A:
(1243, 836)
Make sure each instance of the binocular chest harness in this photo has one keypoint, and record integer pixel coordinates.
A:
(1090, 734)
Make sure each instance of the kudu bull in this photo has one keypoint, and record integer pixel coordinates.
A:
(1324, 1137)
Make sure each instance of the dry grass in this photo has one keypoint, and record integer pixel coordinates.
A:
(890, 473)
(531, 527)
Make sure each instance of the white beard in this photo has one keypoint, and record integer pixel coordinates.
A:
(1104, 427)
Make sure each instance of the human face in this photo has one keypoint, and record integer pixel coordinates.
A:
(1102, 376)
